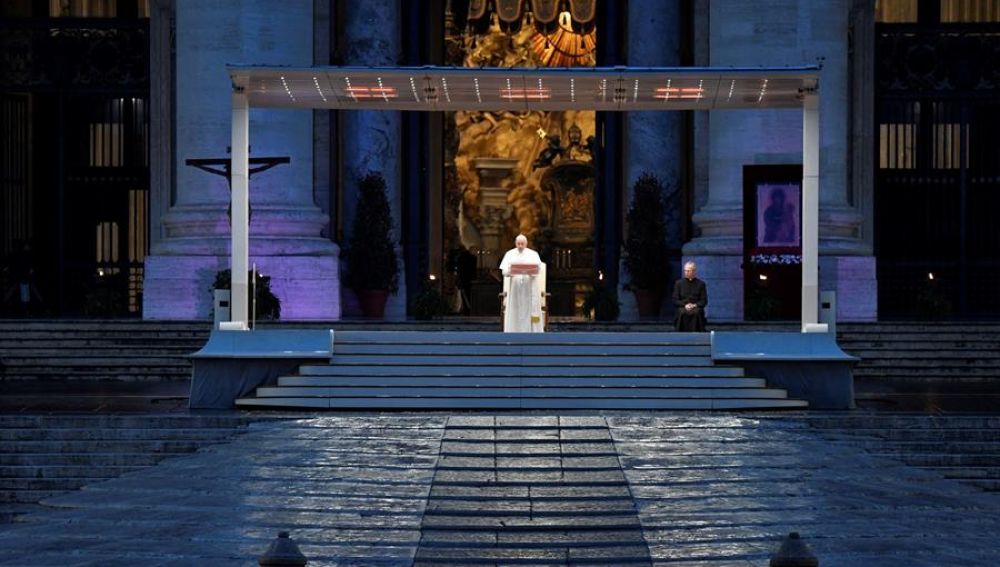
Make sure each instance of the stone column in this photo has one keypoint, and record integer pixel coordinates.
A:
(786, 32)
(372, 139)
(653, 140)
(161, 145)
(285, 227)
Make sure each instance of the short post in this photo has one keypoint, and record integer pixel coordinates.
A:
(221, 308)
(828, 310)
(283, 552)
(794, 553)
(253, 294)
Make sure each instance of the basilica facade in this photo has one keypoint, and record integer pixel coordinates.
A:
(116, 172)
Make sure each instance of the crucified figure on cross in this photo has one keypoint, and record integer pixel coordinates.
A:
(224, 166)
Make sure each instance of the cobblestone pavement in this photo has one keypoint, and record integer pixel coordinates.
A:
(471, 489)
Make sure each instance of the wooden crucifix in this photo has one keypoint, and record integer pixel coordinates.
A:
(224, 166)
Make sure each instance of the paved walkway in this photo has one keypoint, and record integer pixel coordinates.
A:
(398, 489)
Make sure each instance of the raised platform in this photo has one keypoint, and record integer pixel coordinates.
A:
(449, 370)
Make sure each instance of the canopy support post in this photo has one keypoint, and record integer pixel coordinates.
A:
(240, 215)
(810, 208)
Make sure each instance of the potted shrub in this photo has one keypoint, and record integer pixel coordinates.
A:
(429, 304)
(645, 256)
(268, 304)
(370, 258)
(601, 303)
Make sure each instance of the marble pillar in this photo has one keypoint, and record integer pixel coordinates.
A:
(786, 32)
(372, 139)
(285, 228)
(653, 140)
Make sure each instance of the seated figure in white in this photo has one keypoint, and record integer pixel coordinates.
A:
(523, 289)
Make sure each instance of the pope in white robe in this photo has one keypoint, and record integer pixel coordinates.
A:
(523, 312)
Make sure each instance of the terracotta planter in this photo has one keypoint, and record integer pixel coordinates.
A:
(648, 301)
(373, 302)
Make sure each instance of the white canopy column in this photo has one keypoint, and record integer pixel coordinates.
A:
(240, 217)
(810, 208)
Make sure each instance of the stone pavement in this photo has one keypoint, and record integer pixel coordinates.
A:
(471, 489)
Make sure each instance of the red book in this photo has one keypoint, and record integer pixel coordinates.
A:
(524, 269)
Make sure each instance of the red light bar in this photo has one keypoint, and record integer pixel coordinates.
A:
(666, 93)
(526, 94)
(371, 92)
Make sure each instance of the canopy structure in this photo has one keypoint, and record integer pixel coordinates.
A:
(615, 89)
(520, 89)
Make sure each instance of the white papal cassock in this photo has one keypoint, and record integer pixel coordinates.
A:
(524, 297)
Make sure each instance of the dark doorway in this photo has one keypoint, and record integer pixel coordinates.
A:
(937, 182)
(772, 242)
(75, 159)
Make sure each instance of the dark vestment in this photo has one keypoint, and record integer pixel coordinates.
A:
(690, 291)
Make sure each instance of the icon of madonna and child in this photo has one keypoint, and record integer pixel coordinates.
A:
(778, 215)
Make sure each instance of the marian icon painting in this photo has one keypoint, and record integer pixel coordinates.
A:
(778, 215)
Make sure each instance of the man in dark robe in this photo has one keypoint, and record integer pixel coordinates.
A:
(690, 299)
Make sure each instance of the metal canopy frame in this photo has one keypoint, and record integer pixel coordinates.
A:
(613, 89)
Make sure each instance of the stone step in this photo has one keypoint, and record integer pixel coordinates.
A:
(122, 375)
(918, 327)
(59, 471)
(29, 324)
(101, 336)
(517, 403)
(27, 497)
(102, 359)
(117, 434)
(902, 423)
(126, 421)
(943, 362)
(523, 371)
(882, 334)
(519, 350)
(104, 334)
(47, 484)
(984, 484)
(930, 352)
(982, 472)
(57, 350)
(524, 392)
(10, 512)
(79, 459)
(528, 381)
(934, 436)
(524, 339)
(541, 359)
(929, 373)
(158, 446)
(934, 460)
(913, 447)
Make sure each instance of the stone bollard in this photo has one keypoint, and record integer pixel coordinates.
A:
(282, 553)
(794, 553)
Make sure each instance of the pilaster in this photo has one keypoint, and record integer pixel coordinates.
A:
(372, 139)
(285, 239)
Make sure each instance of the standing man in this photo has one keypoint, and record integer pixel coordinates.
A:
(523, 312)
(690, 299)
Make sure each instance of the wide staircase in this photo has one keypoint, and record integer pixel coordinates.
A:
(925, 366)
(566, 370)
(961, 447)
(43, 455)
(87, 364)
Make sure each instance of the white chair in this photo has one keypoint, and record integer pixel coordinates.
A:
(542, 289)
